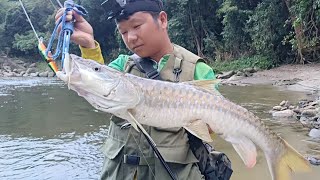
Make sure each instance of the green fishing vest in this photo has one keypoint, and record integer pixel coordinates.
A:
(172, 143)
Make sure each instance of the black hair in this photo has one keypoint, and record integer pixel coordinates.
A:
(123, 9)
(155, 16)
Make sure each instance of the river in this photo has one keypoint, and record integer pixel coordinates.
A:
(49, 132)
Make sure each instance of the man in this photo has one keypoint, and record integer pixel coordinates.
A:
(143, 26)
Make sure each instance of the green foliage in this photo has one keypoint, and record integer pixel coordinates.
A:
(267, 30)
(260, 32)
(26, 42)
(261, 62)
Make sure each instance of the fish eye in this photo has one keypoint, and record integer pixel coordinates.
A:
(96, 69)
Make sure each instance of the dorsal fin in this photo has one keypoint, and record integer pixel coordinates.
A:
(206, 85)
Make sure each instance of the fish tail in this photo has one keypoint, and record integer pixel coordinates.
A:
(291, 161)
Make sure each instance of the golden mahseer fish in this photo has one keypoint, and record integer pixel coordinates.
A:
(193, 105)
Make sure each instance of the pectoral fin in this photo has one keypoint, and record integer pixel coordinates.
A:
(199, 129)
(245, 148)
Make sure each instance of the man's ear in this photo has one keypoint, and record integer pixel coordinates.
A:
(163, 20)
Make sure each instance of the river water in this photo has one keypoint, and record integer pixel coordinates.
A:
(49, 132)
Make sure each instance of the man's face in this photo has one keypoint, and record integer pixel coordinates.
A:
(142, 34)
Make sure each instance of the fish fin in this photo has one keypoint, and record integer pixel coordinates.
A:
(208, 85)
(246, 150)
(199, 129)
(290, 161)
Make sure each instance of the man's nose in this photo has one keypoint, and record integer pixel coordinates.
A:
(132, 36)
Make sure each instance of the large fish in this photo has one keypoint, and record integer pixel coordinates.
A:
(193, 105)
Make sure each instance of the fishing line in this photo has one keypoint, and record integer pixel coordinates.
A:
(59, 3)
(54, 6)
(29, 20)
(144, 157)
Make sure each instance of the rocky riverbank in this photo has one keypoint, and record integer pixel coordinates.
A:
(305, 78)
(17, 68)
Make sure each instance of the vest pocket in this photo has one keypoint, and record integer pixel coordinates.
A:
(112, 147)
(178, 154)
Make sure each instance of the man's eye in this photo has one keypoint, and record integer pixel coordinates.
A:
(137, 26)
(123, 33)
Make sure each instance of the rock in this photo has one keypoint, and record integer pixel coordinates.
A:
(249, 70)
(256, 69)
(283, 103)
(31, 70)
(25, 75)
(315, 124)
(19, 62)
(26, 65)
(32, 65)
(20, 70)
(51, 74)
(36, 74)
(235, 78)
(314, 133)
(285, 113)
(292, 107)
(277, 108)
(247, 74)
(43, 74)
(8, 74)
(314, 160)
(15, 70)
(305, 121)
(7, 68)
(315, 103)
(239, 73)
(309, 113)
(22, 73)
(226, 75)
(298, 111)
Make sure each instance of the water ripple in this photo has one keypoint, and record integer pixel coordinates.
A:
(71, 157)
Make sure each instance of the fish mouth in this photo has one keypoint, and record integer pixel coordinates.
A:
(68, 70)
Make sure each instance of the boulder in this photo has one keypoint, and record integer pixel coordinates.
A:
(309, 113)
(51, 74)
(249, 70)
(31, 70)
(285, 113)
(43, 74)
(314, 133)
(19, 62)
(8, 74)
(7, 68)
(226, 75)
(36, 74)
(277, 108)
(33, 65)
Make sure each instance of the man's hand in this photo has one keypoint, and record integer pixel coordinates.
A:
(83, 32)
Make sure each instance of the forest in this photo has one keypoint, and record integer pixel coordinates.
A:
(265, 33)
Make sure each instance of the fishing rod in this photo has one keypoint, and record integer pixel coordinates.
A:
(154, 147)
(41, 47)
